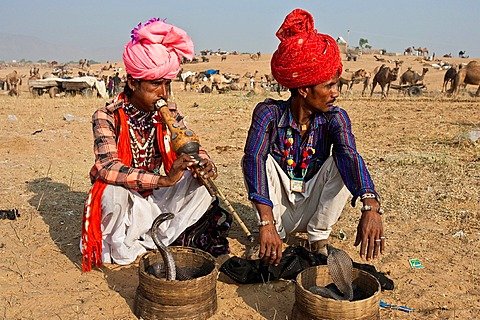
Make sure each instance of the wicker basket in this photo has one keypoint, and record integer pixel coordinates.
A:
(190, 299)
(309, 306)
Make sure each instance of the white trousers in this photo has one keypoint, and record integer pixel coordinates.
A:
(314, 211)
(127, 217)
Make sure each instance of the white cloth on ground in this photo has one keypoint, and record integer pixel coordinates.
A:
(314, 211)
(127, 217)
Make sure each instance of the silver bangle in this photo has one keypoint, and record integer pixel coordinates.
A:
(368, 196)
(262, 223)
(366, 207)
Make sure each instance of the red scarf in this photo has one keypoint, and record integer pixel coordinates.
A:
(92, 214)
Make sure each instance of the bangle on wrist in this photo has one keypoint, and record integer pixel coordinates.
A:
(263, 223)
(370, 195)
(366, 207)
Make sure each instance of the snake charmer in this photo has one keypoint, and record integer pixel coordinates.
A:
(137, 176)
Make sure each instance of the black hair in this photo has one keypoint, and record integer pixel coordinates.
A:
(127, 90)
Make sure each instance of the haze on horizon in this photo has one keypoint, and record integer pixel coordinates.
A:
(98, 30)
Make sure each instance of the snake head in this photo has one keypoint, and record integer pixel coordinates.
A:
(331, 249)
(161, 218)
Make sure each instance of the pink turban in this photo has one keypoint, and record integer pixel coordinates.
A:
(304, 57)
(156, 50)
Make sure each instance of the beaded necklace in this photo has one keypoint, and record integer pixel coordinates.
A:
(138, 119)
(143, 123)
(306, 156)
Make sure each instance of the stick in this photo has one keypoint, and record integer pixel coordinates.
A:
(71, 182)
(236, 216)
(40, 201)
(214, 191)
(48, 171)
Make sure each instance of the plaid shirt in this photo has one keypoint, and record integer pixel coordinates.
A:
(108, 166)
(332, 135)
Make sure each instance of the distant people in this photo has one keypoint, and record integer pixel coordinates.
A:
(263, 82)
(110, 86)
(252, 82)
(116, 83)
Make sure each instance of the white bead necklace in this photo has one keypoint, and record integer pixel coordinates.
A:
(142, 151)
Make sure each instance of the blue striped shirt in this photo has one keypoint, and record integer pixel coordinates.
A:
(332, 136)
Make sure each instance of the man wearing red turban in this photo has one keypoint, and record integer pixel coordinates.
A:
(131, 145)
(301, 163)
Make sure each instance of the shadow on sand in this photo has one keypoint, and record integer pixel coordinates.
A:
(61, 209)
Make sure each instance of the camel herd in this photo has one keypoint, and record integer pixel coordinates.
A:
(384, 76)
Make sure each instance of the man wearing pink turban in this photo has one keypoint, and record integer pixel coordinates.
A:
(301, 163)
(131, 145)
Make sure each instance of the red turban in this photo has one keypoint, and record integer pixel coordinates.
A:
(304, 57)
(155, 50)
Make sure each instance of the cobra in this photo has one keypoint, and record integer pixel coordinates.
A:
(168, 261)
(340, 267)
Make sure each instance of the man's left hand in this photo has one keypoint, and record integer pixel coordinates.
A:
(205, 169)
(370, 235)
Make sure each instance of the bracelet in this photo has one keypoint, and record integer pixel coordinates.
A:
(366, 207)
(262, 223)
(368, 196)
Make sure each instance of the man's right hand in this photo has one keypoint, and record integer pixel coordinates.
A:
(270, 244)
(182, 163)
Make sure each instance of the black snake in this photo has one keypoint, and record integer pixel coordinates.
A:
(170, 271)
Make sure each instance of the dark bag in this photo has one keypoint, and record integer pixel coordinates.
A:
(294, 260)
(209, 233)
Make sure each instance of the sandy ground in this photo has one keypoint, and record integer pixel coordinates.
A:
(416, 148)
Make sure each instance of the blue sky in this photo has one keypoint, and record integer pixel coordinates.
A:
(99, 29)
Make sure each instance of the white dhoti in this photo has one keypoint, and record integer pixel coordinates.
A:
(127, 217)
(314, 211)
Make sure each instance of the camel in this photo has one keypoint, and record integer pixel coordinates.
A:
(106, 68)
(269, 79)
(13, 80)
(218, 79)
(188, 78)
(412, 77)
(449, 76)
(408, 51)
(248, 74)
(421, 51)
(191, 79)
(470, 74)
(255, 56)
(34, 72)
(82, 63)
(380, 59)
(349, 78)
(384, 77)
